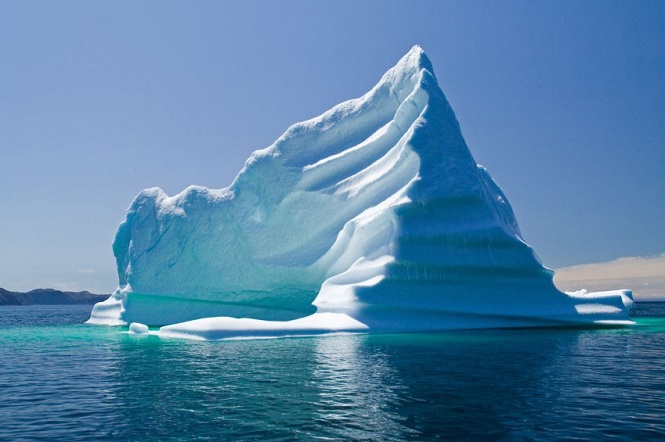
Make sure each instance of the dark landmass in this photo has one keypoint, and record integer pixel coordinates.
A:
(48, 297)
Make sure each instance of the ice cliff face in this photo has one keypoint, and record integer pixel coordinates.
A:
(373, 215)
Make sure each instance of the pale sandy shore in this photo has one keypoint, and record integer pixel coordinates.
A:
(645, 276)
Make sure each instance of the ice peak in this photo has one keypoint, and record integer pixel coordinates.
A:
(407, 73)
(417, 58)
(414, 61)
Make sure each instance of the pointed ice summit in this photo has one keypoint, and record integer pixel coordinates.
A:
(373, 216)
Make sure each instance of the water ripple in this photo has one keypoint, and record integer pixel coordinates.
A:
(61, 380)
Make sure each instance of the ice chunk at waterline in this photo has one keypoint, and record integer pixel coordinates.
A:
(375, 211)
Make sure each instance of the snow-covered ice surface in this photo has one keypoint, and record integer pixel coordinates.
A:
(372, 216)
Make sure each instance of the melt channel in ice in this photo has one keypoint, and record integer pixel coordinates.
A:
(372, 216)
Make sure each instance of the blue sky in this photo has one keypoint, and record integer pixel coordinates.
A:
(563, 102)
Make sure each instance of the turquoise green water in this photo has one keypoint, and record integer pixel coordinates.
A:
(60, 380)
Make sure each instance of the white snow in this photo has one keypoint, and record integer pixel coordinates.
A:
(372, 216)
(224, 327)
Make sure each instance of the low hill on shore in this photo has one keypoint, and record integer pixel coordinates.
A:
(48, 297)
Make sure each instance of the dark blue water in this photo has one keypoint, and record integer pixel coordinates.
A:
(61, 380)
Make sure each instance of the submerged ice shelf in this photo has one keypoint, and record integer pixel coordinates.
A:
(372, 216)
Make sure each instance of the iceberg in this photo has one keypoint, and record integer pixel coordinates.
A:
(373, 216)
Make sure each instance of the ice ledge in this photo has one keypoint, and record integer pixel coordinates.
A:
(212, 329)
(592, 311)
(626, 296)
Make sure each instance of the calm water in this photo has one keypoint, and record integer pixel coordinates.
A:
(61, 380)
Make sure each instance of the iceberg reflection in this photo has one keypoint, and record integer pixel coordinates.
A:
(359, 392)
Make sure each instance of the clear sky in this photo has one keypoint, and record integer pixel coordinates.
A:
(563, 102)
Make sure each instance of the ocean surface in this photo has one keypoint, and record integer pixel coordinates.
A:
(63, 380)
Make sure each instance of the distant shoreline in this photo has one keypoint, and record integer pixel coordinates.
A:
(57, 297)
(49, 297)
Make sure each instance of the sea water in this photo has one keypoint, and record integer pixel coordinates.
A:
(63, 380)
